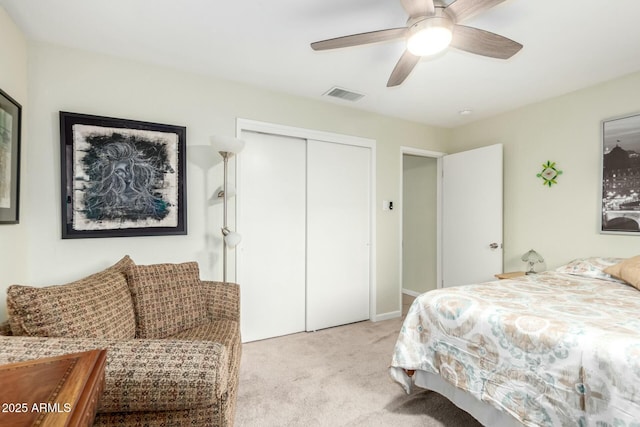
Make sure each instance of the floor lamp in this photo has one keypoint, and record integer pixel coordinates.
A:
(227, 147)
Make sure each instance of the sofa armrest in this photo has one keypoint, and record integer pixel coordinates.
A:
(223, 300)
(141, 375)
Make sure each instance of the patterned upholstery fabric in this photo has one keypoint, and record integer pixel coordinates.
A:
(223, 300)
(222, 331)
(226, 332)
(168, 298)
(190, 378)
(205, 417)
(5, 328)
(98, 306)
(141, 375)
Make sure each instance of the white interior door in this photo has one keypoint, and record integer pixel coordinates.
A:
(338, 234)
(271, 218)
(472, 216)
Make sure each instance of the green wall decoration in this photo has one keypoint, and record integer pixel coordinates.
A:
(549, 173)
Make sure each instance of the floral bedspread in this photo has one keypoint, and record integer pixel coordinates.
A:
(550, 349)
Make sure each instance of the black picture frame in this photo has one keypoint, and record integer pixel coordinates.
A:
(620, 176)
(121, 178)
(10, 137)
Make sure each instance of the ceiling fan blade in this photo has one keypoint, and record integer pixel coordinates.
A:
(460, 10)
(403, 68)
(485, 43)
(359, 39)
(418, 7)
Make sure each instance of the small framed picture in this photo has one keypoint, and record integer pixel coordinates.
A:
(621, 176)
(10, 130)
(121, 177)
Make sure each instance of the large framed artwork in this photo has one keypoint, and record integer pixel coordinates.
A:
(121, 177)
(10, 129)
(621, 175)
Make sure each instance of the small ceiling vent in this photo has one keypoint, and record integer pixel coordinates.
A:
(344, 94)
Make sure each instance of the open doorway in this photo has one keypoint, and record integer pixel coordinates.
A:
(420, 206)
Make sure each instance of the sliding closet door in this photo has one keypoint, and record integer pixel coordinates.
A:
(338, 234)
(271, 219)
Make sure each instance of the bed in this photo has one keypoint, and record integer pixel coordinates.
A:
(559, 348)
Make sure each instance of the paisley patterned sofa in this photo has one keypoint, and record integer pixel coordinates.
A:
(173, 341)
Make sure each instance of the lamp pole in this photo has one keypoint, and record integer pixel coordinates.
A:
(226, 147)
(225, 157)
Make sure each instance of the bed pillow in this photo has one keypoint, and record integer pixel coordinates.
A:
(627, 270)
(592, 267)
(168, 298)
(98, 306)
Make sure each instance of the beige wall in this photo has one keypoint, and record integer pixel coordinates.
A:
(560, 222)
(77, 81)
(13, 80)
(419, 213)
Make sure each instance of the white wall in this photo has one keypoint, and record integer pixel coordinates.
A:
(77, 81)
(419, 212)
(13, 81)
(560, 222)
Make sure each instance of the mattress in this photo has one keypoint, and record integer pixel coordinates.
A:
(551, 349)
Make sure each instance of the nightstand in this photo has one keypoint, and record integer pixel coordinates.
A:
(510, 275)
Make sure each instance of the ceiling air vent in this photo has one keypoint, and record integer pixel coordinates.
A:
(345, 94)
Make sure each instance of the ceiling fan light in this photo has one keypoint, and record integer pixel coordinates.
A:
(429, 40)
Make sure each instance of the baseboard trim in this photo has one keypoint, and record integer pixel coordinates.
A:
(386, 316)
(410, 292)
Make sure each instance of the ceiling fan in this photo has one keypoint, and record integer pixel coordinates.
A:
(432, 27)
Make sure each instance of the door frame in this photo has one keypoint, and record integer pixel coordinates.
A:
(404, 150)
(296, 132)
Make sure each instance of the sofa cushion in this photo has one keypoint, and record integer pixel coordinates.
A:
(168, 298)
(98, 306)
(142, 375)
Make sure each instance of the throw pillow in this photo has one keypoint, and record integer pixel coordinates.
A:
(627, 270)
(168, 298)
(98, 306)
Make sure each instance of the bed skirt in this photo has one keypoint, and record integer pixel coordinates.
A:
(486, 414)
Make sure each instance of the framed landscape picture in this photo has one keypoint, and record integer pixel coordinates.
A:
(121, 177)
(621, 175)
(10, 130)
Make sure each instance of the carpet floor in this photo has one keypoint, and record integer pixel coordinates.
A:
(335, 377)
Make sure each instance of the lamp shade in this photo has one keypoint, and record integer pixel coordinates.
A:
(226, 144)
(532, 257)
(232, 239)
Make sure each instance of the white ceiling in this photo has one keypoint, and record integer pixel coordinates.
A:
(568, 45)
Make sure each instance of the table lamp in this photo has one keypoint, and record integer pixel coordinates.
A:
(532, 258)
